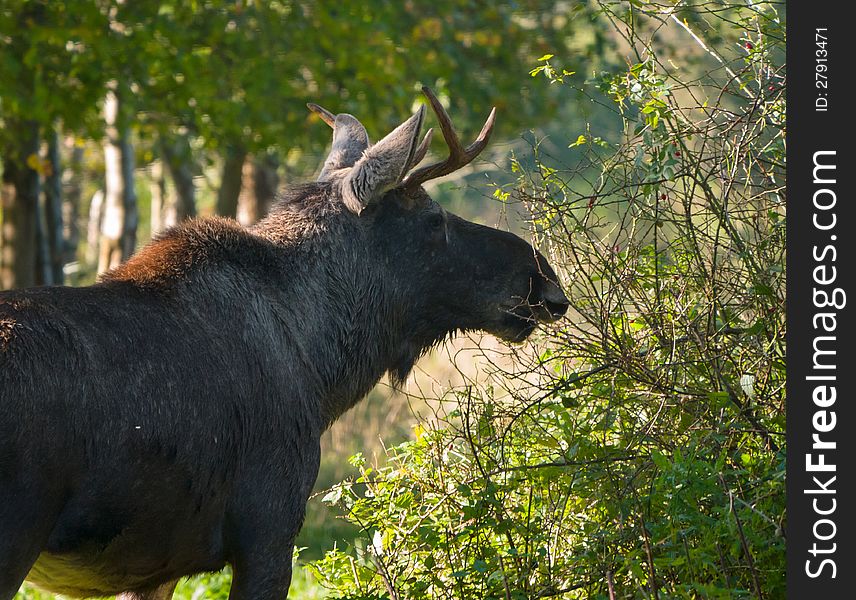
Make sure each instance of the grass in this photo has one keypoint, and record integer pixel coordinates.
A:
(213, 586)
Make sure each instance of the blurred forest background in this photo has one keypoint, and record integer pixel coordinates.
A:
(633, 450)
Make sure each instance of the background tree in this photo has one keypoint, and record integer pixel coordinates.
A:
(49, 75)
(20, 201)
(119, 223)
(212, 84)
(54, 210)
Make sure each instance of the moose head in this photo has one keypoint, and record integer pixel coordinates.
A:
(451, 274)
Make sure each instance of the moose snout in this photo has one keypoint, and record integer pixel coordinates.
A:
(549, 300)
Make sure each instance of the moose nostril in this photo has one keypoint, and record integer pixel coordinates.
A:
(557, 310)
(554, 299)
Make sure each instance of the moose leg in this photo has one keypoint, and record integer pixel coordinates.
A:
(13, 567)
(262, 557)
(162, 592)
(268, 524)
(26, 521)
(16, 558)
(262, 566)
(18, 553)
(257, 583)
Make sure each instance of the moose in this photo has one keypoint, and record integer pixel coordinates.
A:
(166, 420)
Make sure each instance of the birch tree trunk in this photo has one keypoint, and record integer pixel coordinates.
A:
(93, 227)
(246, 213)
(157, 187)
(119, 225)
(259, 185)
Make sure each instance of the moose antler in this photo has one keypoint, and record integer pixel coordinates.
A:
(458, 155)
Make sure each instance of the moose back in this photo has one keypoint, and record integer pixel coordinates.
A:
(166, 420)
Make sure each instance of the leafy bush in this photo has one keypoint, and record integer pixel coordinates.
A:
(642, 454)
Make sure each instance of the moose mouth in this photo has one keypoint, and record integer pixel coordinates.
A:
(520, 319)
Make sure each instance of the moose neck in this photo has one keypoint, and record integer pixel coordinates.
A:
(354, 327)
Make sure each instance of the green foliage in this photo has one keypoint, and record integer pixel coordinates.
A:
(47, 67)
(240, 73)
(642, 454)
(214, 586)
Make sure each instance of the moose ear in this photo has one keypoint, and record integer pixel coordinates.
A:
(383, 165)
(349, 141)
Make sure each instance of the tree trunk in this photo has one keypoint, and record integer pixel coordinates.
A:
(247, 196)
(44, 275)
(230, 182)
(113, 219)
(178, 157)
(20, 201)
(266, 183)
(53, 211)
(157, 186)
(119, 225)
(260, 182)
(93, 228)
(129, 194)
(72, 188)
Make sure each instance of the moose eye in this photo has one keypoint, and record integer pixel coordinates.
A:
(436, 221)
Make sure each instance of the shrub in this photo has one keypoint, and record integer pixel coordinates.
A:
(642, 453)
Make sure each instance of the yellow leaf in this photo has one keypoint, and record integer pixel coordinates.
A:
(34, 163)
(42, 167)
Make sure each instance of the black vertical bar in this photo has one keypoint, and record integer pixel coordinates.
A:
(820, 533)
